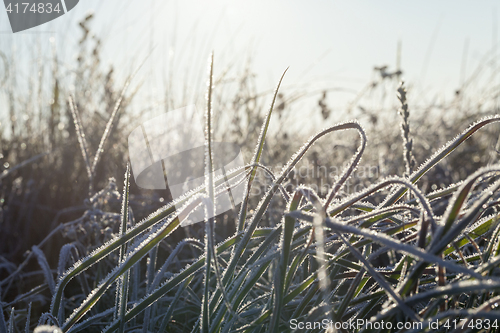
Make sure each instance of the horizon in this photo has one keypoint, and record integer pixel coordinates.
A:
(333, 45)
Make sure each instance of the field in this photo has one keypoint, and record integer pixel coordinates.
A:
(363, 226)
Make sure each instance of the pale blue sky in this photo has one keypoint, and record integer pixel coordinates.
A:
(326, 43)
(349, 37)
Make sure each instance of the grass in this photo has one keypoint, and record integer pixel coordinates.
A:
(261, 278)
(421, 248)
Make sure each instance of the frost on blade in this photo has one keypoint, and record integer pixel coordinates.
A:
(64, 257)
(99, 253)
(445, 151)
(352, 165)
(92, 320)
(467, 185)
(160, 274)
(422, 201)
(81, 136)
(309, 143)
(109, 125)
(402, 247)
(442, 153)
(156, 154)
(132, 257)
(44, 265)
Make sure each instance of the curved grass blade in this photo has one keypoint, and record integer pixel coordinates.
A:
(133, 258)
(398, 246)
(262, 207)
(353, 164)
(174, 281)
(439, 244)
(42, 261)
(490, 223)
(458, 200)
(242, 245)
(423, 202)
(256, 157)
(380, 280)
(438, 292)
(114, 244)
(439, 155)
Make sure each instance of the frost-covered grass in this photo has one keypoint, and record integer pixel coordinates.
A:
(390, 251)
(417, 241)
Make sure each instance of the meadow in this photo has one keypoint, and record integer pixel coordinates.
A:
(389, 219)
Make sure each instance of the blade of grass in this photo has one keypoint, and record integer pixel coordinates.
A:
(12, 328)
(458, 200)
(256, 158)
(423, 202)
(95, 319)
(82, 141)
(111, 120)
(220, 311)
(3, 325)
(380, 280)
(174, 281)
(353, 164)
(28, 318)
(134, 257)
(262, 207)
(398, 246)
(171, 307)
(439, 155)
(448, 290)
(279, 282)
(210, 206)
(439, 244)
(42, 261)
(122, 294)
(114, 244)
(350, 293)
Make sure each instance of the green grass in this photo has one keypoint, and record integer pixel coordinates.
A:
(334, 257)
(421, 247)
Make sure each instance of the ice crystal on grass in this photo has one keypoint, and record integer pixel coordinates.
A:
(44, 265)
(378, 250)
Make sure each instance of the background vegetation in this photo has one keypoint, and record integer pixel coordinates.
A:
(406, 229)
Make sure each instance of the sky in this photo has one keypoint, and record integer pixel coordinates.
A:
(324, 43)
